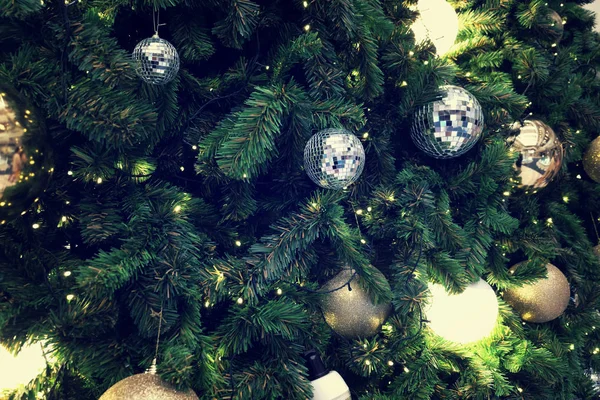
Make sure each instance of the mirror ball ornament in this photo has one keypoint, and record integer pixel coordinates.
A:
(542, 301)
(591, 160)
(448, 127)
(352, 313)
(540, 153)
(334, 158)
(463, 317)
(147, 386)
(25, 161)
(156, 60)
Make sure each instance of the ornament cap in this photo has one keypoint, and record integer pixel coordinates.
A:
(316, 366)
(155, 36)
(152, 370)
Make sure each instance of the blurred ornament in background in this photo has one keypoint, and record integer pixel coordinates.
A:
(18, 370)
(597, 251)
(543, 300)
(147, 386)
(552, 26)
(540, 153)
(438, 23)
(334, 158)
(463, 317)
(352, 313)
(25, 165)
(448, 127)
(156, 60)
(591, 160)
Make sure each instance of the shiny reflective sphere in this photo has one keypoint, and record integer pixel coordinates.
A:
(540, 153)
(156, 60)
(448, 127)
(334, 158)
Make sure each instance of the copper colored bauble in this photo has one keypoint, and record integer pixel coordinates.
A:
(597, 251)
(591, 160)
(540, 153)
(552, 27)
(146, 386)
(543, 300)
(352, 313)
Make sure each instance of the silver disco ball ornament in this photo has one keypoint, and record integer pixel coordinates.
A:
(157, 61)
(448, 127)
(540, 153)
(334, 158)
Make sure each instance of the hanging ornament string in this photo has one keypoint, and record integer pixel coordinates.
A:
(152, 369)
(156, 20)
(595, 227)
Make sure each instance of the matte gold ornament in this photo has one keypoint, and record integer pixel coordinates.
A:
(352, 313)
(591, 160)
(543, 300)
(146, 386)
(540, 153)
(552, 27)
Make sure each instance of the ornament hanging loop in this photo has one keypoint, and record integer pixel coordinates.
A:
(156, 20)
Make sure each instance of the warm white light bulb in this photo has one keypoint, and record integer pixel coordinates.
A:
(19, 370)
(437, 22)
(466, 317)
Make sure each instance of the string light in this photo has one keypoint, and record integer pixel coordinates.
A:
(207, 303)
(363, 241)
(70, 297)
(70, 173)
(572, 347)
(240, 301)
(367, 362)
(99, 181)
(305, 4)
(307, 27)
(279, 291)
(391, 363)
(365, 135)
(63, 219)
(565, 199)
(506, 193)
(35, 226)
(359, 212)
(67, 273)
(520, 390)
(177, 208)
(194, 147)
(182, 168)
(406, 370)
(403, 84)
(369, 209)
(238, 243)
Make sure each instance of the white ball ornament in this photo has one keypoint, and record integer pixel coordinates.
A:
(19, 369)
(465, 317)
(438, 23)
(156, 60)
(334, 158)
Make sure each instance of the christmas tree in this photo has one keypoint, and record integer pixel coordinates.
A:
(435, 239)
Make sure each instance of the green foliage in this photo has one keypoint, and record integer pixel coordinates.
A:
(184, 209)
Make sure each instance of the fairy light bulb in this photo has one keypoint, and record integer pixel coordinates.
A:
(437, 22)
(465, 317)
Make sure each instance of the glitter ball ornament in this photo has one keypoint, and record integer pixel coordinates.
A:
(540, 153)
(25, 155)
(157, 61)
(591, 160)
(352, 313)
(146, 386)
(463, 317)
(543, 300)
(334, 158)
(448, 127)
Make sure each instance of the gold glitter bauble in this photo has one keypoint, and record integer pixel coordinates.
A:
(540, 153)
(543, 300)
(591, 160)
(352, 313)
(146, 387)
